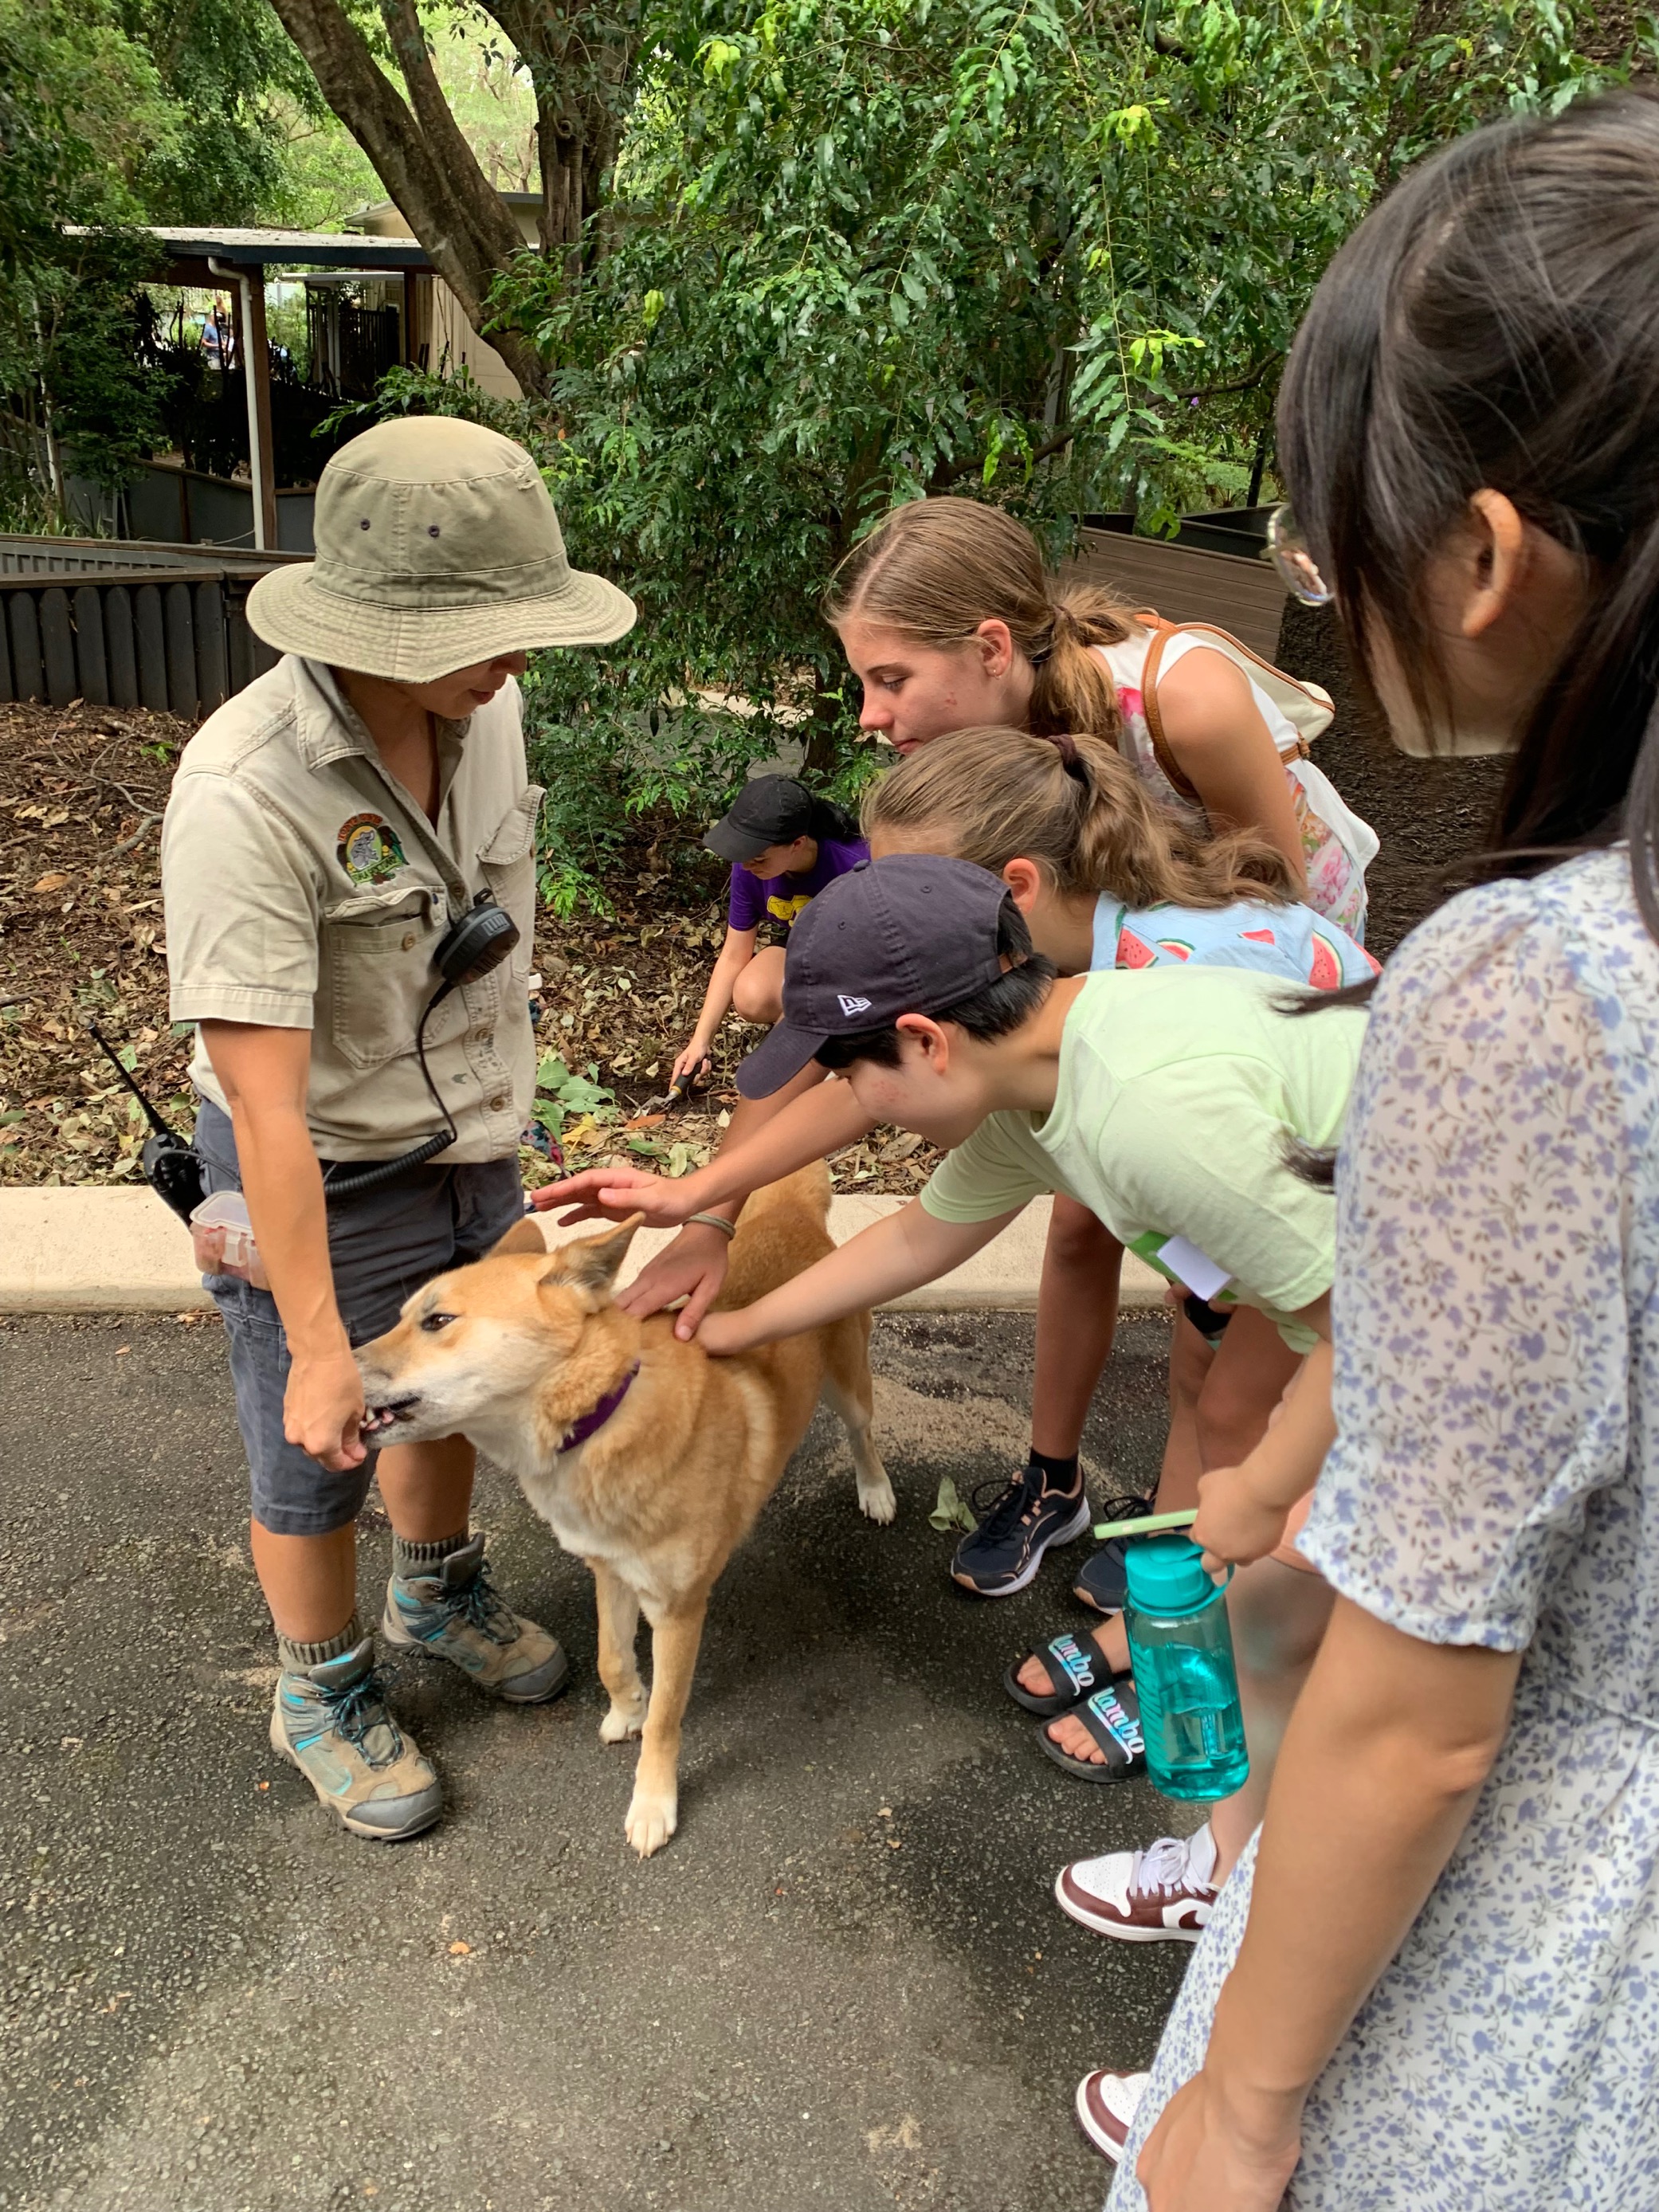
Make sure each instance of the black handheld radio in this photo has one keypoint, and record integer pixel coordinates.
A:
(479, 941)
(172, 1168)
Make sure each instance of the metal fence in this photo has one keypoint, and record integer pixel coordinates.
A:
(126, 624)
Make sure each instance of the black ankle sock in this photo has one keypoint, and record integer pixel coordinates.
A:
(1057, 1474)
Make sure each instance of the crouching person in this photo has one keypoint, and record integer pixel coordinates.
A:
(328, 830)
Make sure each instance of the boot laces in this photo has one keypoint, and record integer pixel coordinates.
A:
(356, 1710)
(1161, 1870)
(482, 1607)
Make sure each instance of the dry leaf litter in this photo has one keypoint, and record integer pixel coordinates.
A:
(81, 792)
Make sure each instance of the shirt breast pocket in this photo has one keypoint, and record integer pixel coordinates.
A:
(508, 858)
(378, 956)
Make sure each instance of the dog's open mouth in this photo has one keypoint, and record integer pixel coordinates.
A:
(386, 1415)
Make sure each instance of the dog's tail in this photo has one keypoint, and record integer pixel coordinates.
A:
(782, 1231)
(807, 1190)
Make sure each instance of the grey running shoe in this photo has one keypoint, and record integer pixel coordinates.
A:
(457, 1612)
(332, 1723)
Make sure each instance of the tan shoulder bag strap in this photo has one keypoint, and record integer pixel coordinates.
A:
(1162, 633)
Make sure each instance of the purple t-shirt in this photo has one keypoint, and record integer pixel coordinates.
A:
(756, 899)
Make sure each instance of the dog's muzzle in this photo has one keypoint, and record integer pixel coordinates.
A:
(388, 1414)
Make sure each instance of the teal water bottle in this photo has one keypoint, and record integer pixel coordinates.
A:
(1181, 1649)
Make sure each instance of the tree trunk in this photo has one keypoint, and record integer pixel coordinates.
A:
(564, 206)
(581, 56)
(420, 156)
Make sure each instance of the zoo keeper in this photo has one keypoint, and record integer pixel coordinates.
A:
(329, 829)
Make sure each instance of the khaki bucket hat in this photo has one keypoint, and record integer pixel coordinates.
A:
(437, 546)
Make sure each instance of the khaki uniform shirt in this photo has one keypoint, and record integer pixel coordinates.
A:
(305, 889)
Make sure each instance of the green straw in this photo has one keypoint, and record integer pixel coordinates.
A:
(1149, 1526)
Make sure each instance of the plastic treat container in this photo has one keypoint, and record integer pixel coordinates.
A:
(1181, 1647)
(223, 1237)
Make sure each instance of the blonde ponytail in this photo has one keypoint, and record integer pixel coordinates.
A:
(936, 569)
(1073, 805)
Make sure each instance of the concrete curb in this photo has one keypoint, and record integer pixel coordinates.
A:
(98, 1250)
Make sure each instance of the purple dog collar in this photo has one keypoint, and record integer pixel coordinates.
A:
(591, 1423)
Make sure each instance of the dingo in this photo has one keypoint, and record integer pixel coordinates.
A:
(647, 1458)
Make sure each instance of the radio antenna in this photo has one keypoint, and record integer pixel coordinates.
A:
(108, 1051)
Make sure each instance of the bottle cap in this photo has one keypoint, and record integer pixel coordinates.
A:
(1166, 1576)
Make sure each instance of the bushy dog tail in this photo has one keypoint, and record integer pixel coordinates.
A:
(806, 1190)
(781, 1230)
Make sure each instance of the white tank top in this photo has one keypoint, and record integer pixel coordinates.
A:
(1336, 844)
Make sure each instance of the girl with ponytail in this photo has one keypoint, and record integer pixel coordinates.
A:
(950, 621)
(1106, 879)
(1433, 1978)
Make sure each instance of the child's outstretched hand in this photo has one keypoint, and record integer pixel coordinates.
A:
(723, 1334)
(613, 1194)
(691, 1269)
(1234, 1525)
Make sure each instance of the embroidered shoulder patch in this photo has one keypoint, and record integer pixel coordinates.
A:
(370, 850)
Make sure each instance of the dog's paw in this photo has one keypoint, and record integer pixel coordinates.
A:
(651, 1821)
(623, 1720)
(877, 1501)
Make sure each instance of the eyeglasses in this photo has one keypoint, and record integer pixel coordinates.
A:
(1293, 560)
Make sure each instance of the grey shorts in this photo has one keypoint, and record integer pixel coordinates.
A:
(383, 1244)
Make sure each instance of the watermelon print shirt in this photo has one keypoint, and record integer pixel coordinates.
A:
(1291, 941)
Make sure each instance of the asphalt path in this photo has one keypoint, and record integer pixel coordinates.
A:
(845, 1982)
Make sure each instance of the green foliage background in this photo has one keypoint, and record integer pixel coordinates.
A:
(114, 112)
(1050, 253)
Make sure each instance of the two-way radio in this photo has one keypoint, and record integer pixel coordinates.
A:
(478, 942)
(172, 1168)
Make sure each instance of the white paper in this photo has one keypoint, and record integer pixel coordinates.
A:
(1196, 1269)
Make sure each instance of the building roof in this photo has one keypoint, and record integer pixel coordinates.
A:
(510, 199)
(312, 249)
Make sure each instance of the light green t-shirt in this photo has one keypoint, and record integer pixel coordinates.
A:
(1178, 1089)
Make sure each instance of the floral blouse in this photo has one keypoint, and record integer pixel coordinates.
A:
(1496, 1482)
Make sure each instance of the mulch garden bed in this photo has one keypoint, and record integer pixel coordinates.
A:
(82, 937)
(81, 789)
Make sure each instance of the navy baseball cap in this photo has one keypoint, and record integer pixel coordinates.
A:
(913, 935)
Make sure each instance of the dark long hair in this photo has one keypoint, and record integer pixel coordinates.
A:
(1496, 322)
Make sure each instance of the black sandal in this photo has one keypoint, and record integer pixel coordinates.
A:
(1075, 1663)
(1112, 1718)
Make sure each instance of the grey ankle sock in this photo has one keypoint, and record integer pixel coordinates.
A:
(296, 1658)
(408, 1559)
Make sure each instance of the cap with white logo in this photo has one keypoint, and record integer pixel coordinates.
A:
(915, 934)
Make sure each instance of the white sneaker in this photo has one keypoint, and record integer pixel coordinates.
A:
(1162, 1895)
(1106, 2105)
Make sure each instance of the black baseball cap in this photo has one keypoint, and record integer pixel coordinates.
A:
(770, 809)
(913, 935)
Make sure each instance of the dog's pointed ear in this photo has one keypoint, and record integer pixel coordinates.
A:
(590, 1263)
(524, 1236)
